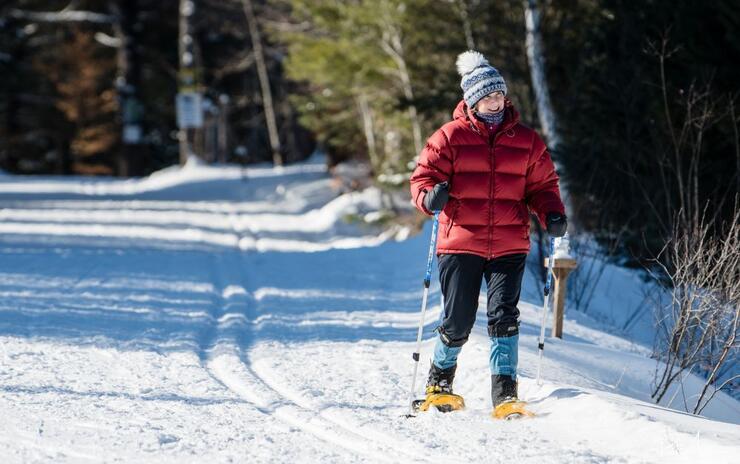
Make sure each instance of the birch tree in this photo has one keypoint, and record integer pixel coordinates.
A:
(462, 7)
(392, 44)
(535, 54)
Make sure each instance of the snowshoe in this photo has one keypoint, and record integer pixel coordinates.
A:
(439, 391)
(511, 409)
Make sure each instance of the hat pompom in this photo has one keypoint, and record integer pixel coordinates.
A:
(468, 61)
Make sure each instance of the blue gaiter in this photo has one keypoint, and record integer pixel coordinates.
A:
(445, 356)
(504, 355)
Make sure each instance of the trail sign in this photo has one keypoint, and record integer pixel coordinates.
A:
(189, 110)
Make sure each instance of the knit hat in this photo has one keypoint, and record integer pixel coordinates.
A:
(478, 77)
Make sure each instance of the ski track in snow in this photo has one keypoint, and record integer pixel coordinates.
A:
(195, 316)
(229, 368)
(226, 365)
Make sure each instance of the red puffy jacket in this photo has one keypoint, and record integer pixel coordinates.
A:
(495, 179)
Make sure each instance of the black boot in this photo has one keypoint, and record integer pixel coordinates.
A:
(440, 380)
(503, 388)
(439, 391)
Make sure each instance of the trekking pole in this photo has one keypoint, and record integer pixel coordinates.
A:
(548, 283)
(427, 280)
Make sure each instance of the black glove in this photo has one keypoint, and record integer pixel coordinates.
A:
(557, 224)
(437, 198)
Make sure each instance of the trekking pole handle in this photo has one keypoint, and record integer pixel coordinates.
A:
(550, 261)
(432, 246)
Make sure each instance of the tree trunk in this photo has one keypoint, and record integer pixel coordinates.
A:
(264, 78)
(539, 76)
(392, 45)
(367, 125)
(467, 27)
(535, 55)
(12, 128)
(188, 77)
(223, 128)
(127, 85)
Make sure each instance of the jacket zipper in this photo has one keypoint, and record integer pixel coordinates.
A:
(491, 145)
(492, 149)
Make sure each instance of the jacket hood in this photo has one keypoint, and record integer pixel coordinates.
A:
(464, 113)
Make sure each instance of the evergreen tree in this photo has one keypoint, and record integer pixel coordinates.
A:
(82, 78)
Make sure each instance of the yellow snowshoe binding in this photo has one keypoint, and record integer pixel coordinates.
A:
(444, 402)
(439, 391)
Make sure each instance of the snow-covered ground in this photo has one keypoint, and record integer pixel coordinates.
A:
(210, 314)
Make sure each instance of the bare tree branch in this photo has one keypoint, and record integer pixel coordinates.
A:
(704, 313)
(107, 40)
(64, 16)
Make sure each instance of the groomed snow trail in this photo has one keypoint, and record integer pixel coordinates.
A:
(214, 314)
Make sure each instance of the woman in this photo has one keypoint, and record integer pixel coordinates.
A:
(485, 172)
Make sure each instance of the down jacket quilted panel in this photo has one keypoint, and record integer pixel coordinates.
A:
(495, 181)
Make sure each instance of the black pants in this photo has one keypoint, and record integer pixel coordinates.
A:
(460, 276)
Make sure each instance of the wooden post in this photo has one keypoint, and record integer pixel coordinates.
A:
(189, 80)
(560, 268)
